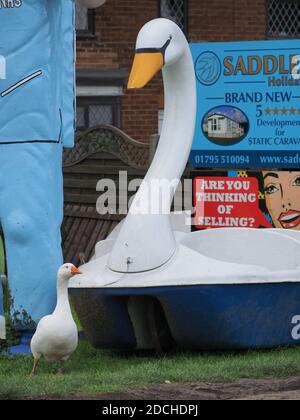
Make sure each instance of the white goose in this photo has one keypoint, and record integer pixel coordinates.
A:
(56, 336)
(144, 251)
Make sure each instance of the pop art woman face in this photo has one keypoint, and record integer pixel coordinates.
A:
(282, 194)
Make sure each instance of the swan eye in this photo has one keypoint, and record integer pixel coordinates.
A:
(171, 37)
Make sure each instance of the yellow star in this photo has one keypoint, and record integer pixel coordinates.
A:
(292, 111)
(268, 111)
(298, 111)
(276, 111)
(284, 111)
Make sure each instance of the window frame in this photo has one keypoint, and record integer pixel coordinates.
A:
(270, 36)
(186, 15)
(86, 101)
(90, 32)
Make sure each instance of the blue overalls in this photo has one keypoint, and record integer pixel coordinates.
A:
(36, 121)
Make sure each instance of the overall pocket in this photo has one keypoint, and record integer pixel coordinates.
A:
(21, 83)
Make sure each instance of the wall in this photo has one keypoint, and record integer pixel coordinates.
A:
(117, 25)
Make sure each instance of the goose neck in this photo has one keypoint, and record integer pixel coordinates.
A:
(63, 304)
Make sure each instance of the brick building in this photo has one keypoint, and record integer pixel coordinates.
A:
(105, 46)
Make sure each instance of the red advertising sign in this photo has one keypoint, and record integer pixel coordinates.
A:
(228, 202)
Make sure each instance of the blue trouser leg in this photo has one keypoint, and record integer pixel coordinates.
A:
(31, 211)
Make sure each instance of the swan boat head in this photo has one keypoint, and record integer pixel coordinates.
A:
(160, 44)
(146, 240)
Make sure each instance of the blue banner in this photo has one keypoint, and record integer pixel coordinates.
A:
(248, 105)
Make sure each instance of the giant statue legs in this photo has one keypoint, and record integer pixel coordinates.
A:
(31, 209)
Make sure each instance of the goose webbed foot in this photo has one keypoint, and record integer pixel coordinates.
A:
(61, 369)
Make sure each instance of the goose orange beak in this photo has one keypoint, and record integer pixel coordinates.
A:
(75, 271)
(144, 68)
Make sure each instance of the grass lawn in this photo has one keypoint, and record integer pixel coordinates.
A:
(92, 371)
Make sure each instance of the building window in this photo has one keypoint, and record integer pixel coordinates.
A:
(214, 125)
(283, 18)
(95, 111)
(84, 20)
(175, 10)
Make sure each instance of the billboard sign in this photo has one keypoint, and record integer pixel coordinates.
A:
(222, 202)
(252, 199)
(248, 105)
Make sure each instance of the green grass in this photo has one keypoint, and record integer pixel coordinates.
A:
(92, 371)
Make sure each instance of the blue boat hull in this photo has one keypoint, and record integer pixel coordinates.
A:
(217, 317)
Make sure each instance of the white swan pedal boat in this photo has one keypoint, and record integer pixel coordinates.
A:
(149, 285)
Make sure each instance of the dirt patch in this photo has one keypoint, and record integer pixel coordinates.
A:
(266, 389)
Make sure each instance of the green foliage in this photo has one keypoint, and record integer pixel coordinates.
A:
(2, 257)
(12, 336)
(93, 371)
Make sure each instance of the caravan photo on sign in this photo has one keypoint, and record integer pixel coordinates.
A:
(225, 125)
